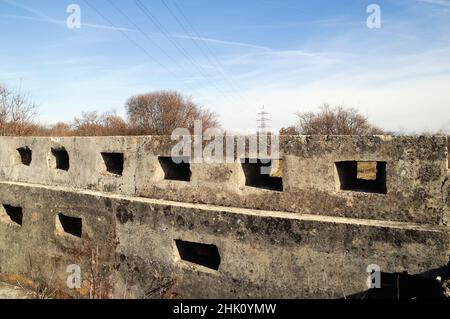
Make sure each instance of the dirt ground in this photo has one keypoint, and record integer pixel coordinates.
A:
(12, 292)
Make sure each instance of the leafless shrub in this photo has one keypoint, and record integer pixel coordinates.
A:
(335, 121)
(95, 124)
(17, 112)
(88, 124)
(290, 130)
(99, 285)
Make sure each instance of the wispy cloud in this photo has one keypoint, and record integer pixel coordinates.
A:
(41, 17)
(62, 22)
(295, 54)
(445, 3)
(28, 9)
(218, 41)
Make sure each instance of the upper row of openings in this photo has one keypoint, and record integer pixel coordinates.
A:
(25, 155)
(176, 168)
(369, 177)
(113, 163)
(61, 158)
(263, 173)
(357, 176)
(259, 173)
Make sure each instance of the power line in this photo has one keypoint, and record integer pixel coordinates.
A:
(144, 50)
(235, 83)
(195, 42)
(179, 47)
(147, 36)
(210, 55)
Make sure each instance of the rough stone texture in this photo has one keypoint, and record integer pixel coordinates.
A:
(263, 254)
(38, 251)
(87, 169)
(312, 240)
(416, 172)
(269, 255)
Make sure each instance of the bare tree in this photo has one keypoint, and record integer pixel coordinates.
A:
(60, 129)
(115, 125)
(17, 112)
(290, 130)
(89, 124)
(95, 124)
(161, 112)
(335, 121)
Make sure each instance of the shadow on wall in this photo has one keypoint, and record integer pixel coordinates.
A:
(404, 286)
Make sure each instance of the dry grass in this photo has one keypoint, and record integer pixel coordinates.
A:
(367, 171)
(277, 168)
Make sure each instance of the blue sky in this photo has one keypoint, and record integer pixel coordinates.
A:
(234, 56)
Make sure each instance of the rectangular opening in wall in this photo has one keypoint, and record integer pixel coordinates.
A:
(265, 174)
(200, 254)
(176, 168)
(113, 163)
(61, 158)
(368, 177)
(69, 225)
(25, 155)
(12, 214)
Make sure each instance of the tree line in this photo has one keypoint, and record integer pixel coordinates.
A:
(160, 113)
(155, 113)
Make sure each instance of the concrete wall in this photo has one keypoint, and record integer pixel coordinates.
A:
(310, 240)
(416, 169)
(263, 254)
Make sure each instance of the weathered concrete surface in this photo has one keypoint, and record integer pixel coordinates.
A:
(272, 255)
(416, 172)
(263, 253)
(310, 240)
(37, 250)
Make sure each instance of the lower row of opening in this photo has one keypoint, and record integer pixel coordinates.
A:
(196, 253)
(64, 224)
